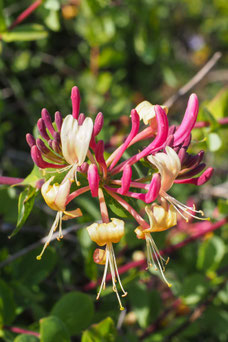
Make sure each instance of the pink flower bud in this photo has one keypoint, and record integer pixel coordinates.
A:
(38, 160)
(99, 152)
(98, 124)
(75, 99)
(41, 146)
(193, 172)
(154, 189)
(93, 179)
(83, 168)
(30, 140)
(47, 120)
(42, 129)
(81, 119)
(206, 175)
(58, 120)
(126, 180)
(188, 121)
(182, 154)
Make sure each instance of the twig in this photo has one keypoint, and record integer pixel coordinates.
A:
(36, 244)
(25, 14)
(196, 79)
(197, 312)
(17, 330)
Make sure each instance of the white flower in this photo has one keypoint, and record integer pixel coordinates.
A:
(75, 139)
(146, 111)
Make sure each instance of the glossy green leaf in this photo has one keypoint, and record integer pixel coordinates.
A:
(7, 304)
(25, 205)
(76, 310)
(26, 338)
(194, 288)
(104, 331)
(33, 177)
(25, 33)
(52, 329)
(211, 253)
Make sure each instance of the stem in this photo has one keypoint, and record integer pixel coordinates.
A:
(129, 208)
(77, 193)
(10, 180)
(91, 158)
(103, 206)
(132, 184)
(25, 14)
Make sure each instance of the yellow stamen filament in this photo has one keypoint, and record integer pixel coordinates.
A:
(154, 258)
(111, 263)
(57, 223)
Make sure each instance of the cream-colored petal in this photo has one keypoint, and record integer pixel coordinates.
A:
(82, 140)
(69, 124)
(62, 194)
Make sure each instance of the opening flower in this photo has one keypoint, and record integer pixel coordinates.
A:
(107, 234)
(169, 167)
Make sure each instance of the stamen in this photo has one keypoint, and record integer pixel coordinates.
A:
(152, 251)
(58, 218)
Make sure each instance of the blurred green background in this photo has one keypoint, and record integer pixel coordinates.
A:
(118, 53)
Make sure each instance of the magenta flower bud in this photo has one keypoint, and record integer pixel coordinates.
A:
(81, 119)
(93, 179)
(75, 99)
(172, 130)
(182, 154)
(154, 189)
(54, 145)
(98, 124)
(56, 137)
(193, 172)
(169, 141)
(207, 174)
(188, 121)
(38, 160)
(30, 140)
(47, 120)
(58, 120)
(41, 146)
(92, 143)
(42, 129)
(99, 152)
(187, 141)
(83, 168)
(39, 183)
(126, 180)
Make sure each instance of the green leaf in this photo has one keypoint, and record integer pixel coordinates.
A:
(223, 206)
(2, 18)
(26, 338)
(194, 288)
(25, 205)
(145, 304)
(76, 310)
(52, 329)
(115, 207)
(211, 253)
(52, 20)
(33, 177)
(214, 142)
(25, 33)
(7, 305)
(104, 331)
(40, 268)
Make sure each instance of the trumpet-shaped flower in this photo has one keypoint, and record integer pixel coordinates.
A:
(161, 218)
(169, 167)
(107, 234)
(56, 198)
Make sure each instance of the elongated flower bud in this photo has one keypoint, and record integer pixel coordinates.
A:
(38, 160)
(30, 140)
(93, 179)
(154, 189)
(58, 120)
(47, 120)
(126, 179)
(81, 119)
(42, 129)
(75, 99)
(98, 124)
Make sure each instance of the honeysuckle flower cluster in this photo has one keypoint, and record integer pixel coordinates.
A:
(73, 161)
